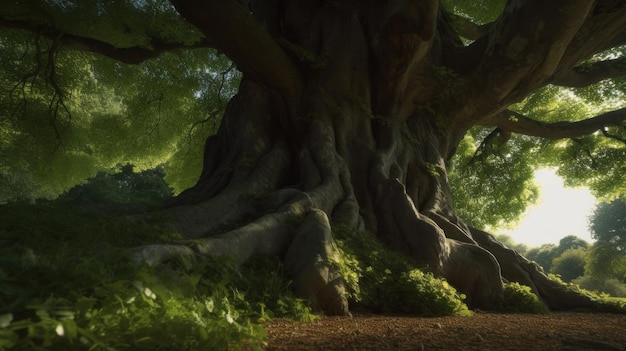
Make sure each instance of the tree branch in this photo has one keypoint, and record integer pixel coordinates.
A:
(517, 123)
(599, 33)
(612, 136)
(238, 35)
(583, 76)
(131, 55)
(526, 46)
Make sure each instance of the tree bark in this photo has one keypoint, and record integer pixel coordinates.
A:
(347, 121)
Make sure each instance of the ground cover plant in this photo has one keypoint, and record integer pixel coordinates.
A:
(65, 284)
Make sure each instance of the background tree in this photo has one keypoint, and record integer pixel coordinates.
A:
(571, 242)
(570, 264)
(570, 258)
(546, 254)
(347, 116)
(146, 188)
(543, 255)
(607, 257)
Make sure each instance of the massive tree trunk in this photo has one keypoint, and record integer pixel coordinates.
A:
(349, 123)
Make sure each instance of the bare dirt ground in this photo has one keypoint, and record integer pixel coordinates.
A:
(482, 331)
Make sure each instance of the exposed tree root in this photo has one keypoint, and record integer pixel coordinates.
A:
(471, 269)
(516, 268)
(308, 262)
(296, 231)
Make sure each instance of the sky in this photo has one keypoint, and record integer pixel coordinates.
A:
(559, 212)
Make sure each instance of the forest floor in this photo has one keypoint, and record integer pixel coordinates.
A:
(482, 331)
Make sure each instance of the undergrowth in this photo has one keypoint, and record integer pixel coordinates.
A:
(67, 282)
(603, 301)
(520, 298)
(383, 281)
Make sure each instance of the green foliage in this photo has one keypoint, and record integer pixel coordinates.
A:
(600, 285)
(520, 299)
(547, 253)
(483, 11)
(380, 280)
(604, 261)
(608, 224)
(570, 264)
(572, 242)
(63, 120)
(491, 174)
(67, 282)
(492, 182)
(269, 294)
(595, 160)
(607, 257)
(147, 188)
(543, 255)
(612, 304)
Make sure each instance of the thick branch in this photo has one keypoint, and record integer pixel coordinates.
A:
(238, 35)
(131, 55)
(599, 33)
(526, 46)
(402, 33)
(587, 75)
(517, 123)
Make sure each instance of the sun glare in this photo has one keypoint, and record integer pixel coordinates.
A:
(560, 212)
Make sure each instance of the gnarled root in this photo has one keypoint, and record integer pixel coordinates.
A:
(469, 268)
(518, 269)
(308, 251)
(475, 272)
(308, 262)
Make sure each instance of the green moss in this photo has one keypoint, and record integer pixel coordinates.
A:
(432, 169)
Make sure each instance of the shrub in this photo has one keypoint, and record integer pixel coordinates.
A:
(520, 299)
(123, 186)
(381, 280)
(65, 286)
(570, 264)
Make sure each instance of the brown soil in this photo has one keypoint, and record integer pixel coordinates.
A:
(482, 331)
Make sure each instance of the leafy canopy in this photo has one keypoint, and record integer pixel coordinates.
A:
(67, 114)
